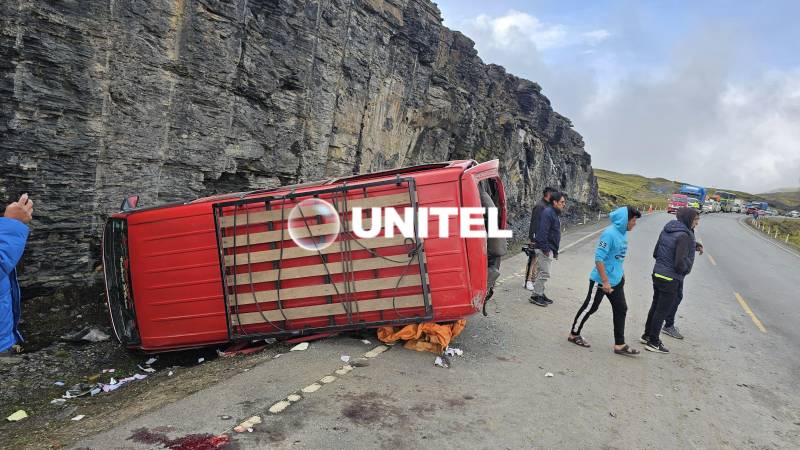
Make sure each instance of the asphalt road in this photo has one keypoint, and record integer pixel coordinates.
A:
(729, 384)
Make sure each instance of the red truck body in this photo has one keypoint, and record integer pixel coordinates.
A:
(676, 202)
(224, 268)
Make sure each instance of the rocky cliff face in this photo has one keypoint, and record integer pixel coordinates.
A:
(175, 99)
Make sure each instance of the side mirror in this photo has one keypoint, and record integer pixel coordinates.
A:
(129, 203)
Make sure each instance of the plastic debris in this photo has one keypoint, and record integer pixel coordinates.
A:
(200, 360)
(78, 390)
(439, 361)
(112, 381)
(17, 416)
(247, 424)
(345, 358)
(150, 361)
(146, 369)
(78, 417)
(95, 391)
(58, 401)
(169, 374)
(225, 417)
(86, 335)
(549, 375)
(113, 385)
(452, 351)
(300, 347)
(109, 370)
(366, 342)
(59, 383)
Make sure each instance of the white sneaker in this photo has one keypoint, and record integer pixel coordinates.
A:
(529, 285)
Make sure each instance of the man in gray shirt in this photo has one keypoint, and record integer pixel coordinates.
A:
(536, 216)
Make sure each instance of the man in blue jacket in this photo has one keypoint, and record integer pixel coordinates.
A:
(674, 255)
(609, 277)
(13, 235)
(547, 239)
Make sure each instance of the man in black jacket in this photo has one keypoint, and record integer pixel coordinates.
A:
(674, 255)
(536, 216)
(547, 239)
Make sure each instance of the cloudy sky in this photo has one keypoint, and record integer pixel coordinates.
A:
(706, 93)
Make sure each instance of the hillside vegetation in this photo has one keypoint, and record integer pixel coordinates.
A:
(629, 189)
(790, 227)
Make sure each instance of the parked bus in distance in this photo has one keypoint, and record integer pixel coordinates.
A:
(726, 200)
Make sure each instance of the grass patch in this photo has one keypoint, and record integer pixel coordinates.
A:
(785, 227)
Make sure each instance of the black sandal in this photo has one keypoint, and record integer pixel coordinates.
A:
(578, 340)
(627, 351)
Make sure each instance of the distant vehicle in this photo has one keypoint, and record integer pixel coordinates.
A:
(794, 214)
(726, 201)
(694, 202)
(697, 192)
(675, 202)
(738, 206)
(761, 207)
(711, 206)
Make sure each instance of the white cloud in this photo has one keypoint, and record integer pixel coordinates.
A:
(516, 28)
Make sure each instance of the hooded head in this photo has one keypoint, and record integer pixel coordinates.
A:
(686, 216)
(619, 218)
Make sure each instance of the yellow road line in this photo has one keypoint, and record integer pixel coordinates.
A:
(749, 312)
(711, 258)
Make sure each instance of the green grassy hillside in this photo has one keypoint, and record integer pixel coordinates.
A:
(630, 189)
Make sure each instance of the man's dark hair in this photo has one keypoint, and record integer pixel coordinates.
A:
(548, 190)
(556, 196)
(633, 212)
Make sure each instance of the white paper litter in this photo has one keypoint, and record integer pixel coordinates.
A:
(300, 347)
(366, 341)
(549, 375)
(78, 417)
(150, 361)
(146, 369)
(58, 401)
(440, 362)
(169, 374)
(452, 351)
(200, 360)
(345, 358)
(59, 383)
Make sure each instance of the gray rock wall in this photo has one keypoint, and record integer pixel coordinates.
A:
(175, 99)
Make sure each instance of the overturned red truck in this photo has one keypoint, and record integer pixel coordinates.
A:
(229, 267)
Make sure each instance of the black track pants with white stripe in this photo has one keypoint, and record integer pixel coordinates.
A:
(618, 307)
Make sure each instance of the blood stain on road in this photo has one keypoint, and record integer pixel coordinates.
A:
(189, 442)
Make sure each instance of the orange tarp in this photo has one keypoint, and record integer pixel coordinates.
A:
(423, 337)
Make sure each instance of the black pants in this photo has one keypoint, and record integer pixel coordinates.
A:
(670, 320)
(665, 295)
(618, 307)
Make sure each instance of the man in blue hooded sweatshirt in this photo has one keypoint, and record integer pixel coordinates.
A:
(13, 235)
(609, 277)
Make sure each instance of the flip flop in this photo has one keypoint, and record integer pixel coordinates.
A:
(578, 340)
(627, 351)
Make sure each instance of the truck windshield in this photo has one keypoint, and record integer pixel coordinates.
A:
(679, 198)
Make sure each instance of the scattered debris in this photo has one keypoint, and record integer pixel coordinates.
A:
(58, 401)
(146, 369)
(17, 416)
(439, 361)
(659, 395)
(108, 370)
(549, 375)
(360, 363)
(59, 383)
(78, 417)
(225, 417)
(452, 351)
(116, 384)
(200, 360)
(270, 341)
(277, 355)
(300, 347)
(280, 406)
(376, 351)
(247, 424)
(86, 335)
(345, 358)
(366, 342)
(78, 390)
(150, 361)
(612, 414)
(169, 374)
(96, 390)
(242, 348)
